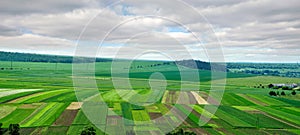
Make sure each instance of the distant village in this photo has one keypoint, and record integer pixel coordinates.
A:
(284, 86)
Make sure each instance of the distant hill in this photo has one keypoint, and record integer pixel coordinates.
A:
(27, 57)
(197, 64)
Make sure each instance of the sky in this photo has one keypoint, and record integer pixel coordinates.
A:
(209, 30)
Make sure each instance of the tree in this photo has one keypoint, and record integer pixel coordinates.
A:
(1, 129)
(14, 129)
(285, 88)
(278, 93)
(88, 130)
(282, 93)
(272, 93)
(294, 92)
(130, 132)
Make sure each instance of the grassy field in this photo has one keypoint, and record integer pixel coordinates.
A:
(37, 96)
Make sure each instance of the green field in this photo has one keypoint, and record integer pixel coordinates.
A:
(38, 96)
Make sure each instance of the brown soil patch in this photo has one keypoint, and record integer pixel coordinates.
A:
(255, 112)
(183, 98)
(154, 132)
(155, 115)
(75, 106)
(198, 131)
(171, 97)
(192, 98)
(29, 106)
(38, 131)
(66, 118)
(26, 131)
(114, 120)
(24, 97)
(193, 111)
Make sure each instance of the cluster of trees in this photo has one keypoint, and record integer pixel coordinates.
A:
(263, 65)
(181, 132)
(286, 88)
(292, 74)
(12, 130)
(88, 130)
(262, 72)
(259, 86)
(273, 93)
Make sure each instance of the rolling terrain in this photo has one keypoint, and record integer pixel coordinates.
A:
(39, 96)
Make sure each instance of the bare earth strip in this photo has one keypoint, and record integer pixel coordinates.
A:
(199, 131)
(75, 106)
(280, 120)
(11, 92)
(25, 97)
(252, 100)
(66, 118)
(198, 98)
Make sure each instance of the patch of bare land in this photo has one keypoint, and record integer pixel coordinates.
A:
(198, 98)
(66, 118)
(75, 106)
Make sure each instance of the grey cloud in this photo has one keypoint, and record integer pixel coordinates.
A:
(8, 31)
(21, 7)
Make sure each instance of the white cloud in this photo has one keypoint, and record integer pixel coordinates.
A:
(251, 30)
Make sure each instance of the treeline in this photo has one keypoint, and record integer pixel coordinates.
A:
(273, 69)
(263, 65)
(26, 57)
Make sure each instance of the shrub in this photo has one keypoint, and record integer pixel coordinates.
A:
(89, 130)
(294, 92)
(282, 93)
(181, 132)
(272, 93)
(14, 129)
(285, 88)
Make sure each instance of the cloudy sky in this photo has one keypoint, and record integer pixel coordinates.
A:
(210, 30)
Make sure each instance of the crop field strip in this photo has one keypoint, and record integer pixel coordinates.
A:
(16, 116)
(35, 98)
(46, 116)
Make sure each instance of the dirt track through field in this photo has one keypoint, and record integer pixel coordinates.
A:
(24, 97)
(290, 124)
(255, 101)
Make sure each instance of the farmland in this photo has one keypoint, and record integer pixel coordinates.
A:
(41, 98)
